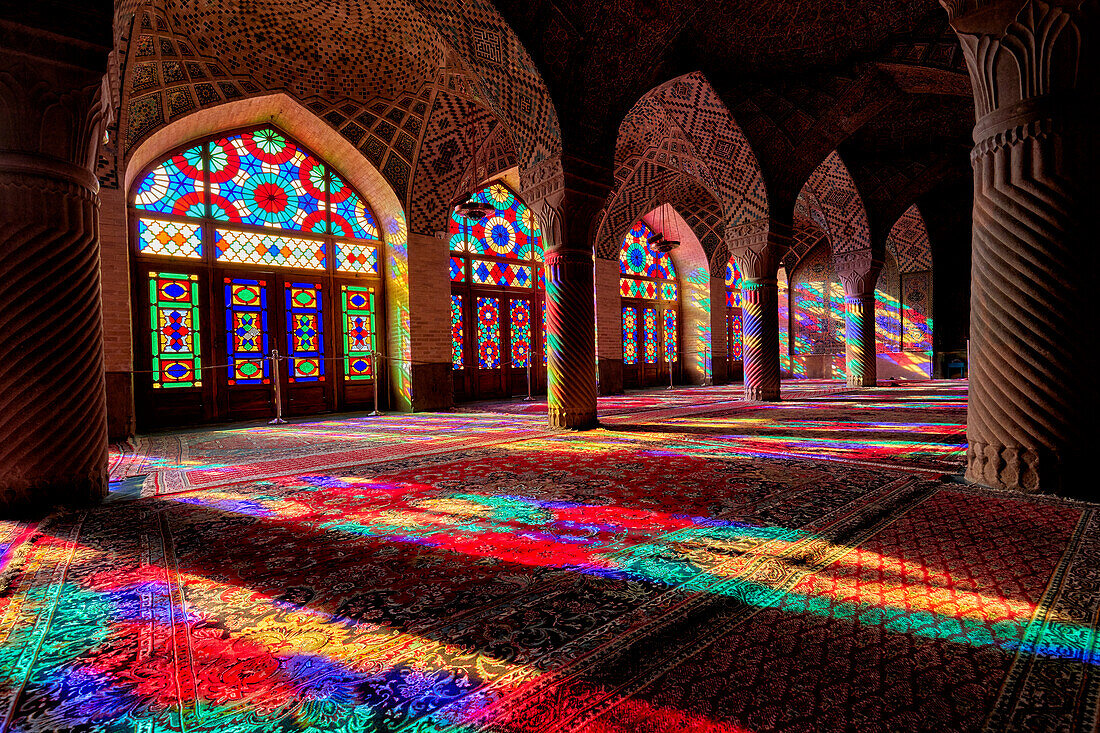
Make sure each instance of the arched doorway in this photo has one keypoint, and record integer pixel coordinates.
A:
(650, 303)
(245, 244)
(497, 299)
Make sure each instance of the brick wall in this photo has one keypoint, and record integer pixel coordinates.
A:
(117, 329)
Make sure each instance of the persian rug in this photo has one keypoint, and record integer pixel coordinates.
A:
(194, 459)
(560, 584)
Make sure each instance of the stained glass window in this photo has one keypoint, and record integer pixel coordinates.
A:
(501, 250)
(170, 238)
(247, 331)
(257, 179)
(670, 335)
(733, 311)
(521, 332)
(649, 276)
(637, 259)
(262, 179)
(357, 309)
(734, 326)
(175, 186)
(510, 231)
(504, 274)
(350, 216)
(784, 321)
(305, 344)
(356, 257)
(174, 320)
(488, 333)
(458, 270)
(649, 333)
(255, 248)
(630, 336)
(457, 332)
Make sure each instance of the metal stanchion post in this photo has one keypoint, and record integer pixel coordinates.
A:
(278, 389)
(708, 375)
(668, 358)
(528, 397)
(374, 366)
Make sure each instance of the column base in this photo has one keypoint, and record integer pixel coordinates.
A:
(566, 419)
(862, 381)
(761, 394)
(1020, 469)
(31, 495)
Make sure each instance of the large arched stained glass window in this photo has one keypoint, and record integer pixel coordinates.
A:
(650, 296)
(497, 303)
(250, 245)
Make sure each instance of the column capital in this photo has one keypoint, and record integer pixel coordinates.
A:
(858, 271)
(1027, 59)
(758, 246)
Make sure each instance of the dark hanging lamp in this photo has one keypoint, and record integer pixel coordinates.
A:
(657, 241)
(470, 208)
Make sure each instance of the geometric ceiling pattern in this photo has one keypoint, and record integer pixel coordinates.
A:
(374, 72)
(908, 242)
(843, 214)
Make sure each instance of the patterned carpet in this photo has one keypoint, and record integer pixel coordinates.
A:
(640, 577)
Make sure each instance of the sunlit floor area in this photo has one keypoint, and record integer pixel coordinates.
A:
(697, 563)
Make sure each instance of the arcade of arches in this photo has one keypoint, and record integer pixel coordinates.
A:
(606, 350)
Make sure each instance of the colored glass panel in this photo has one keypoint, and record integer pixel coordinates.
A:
(170, 238)
(305, 339)
(670, 335)
(509, 231)
(488, 333)
(458, 270)
(630, 336)
(255, 248)
(649, 333)
(457, 333)
(350, 215)
(262, 179)
(358, 313)
(733, 275)
(638, 259)
(632, 288)
(521, 332)
(734, 327)
(668, 291)
(246, 330)
(501, 274)
(175, 186)
(174, 319)
(355, 257)
(784, 322)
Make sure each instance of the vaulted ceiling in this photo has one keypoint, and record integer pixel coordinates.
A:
(882, 82)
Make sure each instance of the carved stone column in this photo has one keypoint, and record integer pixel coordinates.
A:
(1033, 399)
(859, 272)
(758, 248)
(53, 419)
(566, 203)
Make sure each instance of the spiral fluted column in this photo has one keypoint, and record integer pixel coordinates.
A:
(1033, 405)
(571, 335)
(859, 340)
(760, 339)
(53, 418)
